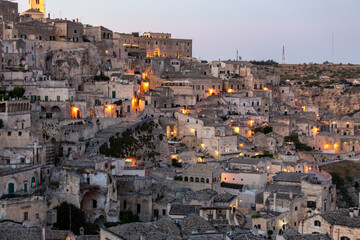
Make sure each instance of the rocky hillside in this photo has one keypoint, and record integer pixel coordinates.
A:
(340, 101)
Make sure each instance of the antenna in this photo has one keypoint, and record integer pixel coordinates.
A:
(332, 48)
(237, 55)
(283, 55)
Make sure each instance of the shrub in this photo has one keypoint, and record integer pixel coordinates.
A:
(78, 220)
(175, 163)
(17, 92)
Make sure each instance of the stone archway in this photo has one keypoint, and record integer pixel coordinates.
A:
(55, 109)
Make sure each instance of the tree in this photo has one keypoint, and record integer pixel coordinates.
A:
(18, 92)
(78, 220)
(299, 146)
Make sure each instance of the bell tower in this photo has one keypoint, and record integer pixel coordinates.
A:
(37, 4)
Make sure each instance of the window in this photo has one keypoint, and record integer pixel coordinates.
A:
(125, 203)
(311, 204)
(9, 134)
(344, 238)
(20, 134)
(33, 182)
(46, 98)
(295, 208)
(37, 216)
(75, 31)
(113, 94)
(164, 212)
(317, 223)
(25, 187)
(138, 208)
(11, 188)
(58, 98)
(26, 216)
(94, 203)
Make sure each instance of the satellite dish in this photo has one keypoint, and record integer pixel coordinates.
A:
(13, 166)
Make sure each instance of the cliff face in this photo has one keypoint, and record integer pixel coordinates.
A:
(336, 100)
(65, 60)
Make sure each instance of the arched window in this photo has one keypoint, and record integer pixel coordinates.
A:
(317, 223)
(186, 179)
(197, 179)
(207, 180)
(344, 238)
(191, 179)
(202, 180)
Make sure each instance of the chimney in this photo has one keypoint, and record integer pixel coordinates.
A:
(77, 20)
(48, 15)
(351, 212)
(356, 212)
(275, 195)
(291, 195)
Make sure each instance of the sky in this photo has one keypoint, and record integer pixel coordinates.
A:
(258, 29)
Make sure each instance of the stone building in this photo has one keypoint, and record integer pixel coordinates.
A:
(341, 224)
(66, 30)
(30, 210)
(298, 195)
(31, 30)
(8, 11)
(88, 184)
(22, 180)
(202, 176)
(97, 33)
(156, 45)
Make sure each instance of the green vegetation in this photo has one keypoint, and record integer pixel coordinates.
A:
(118, 103)
(178, 178)
(344, 174)
(132, 143)
(264, 130)
(176, 163)
(266, 154)
(265, 63)
(17, 92)
(299, 146)
(101, 77)
(125, 218)
(78, 220)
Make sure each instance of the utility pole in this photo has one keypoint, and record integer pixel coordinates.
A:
(332, 48)
(283, 56)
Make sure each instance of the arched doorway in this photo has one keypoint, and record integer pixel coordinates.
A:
(55, 109)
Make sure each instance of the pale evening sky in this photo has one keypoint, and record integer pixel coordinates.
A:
(257, 28)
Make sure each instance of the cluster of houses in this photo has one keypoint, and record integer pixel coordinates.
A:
(122, 124)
